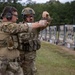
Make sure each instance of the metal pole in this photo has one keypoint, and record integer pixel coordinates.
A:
(64, 35)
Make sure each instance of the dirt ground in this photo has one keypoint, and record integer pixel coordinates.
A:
(65, 49)
(68, 50)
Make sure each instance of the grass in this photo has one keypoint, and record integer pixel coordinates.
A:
(53, 60)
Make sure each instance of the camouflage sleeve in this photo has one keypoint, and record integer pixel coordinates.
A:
(15, 28)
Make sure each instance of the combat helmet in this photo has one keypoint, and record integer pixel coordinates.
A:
(27, 11)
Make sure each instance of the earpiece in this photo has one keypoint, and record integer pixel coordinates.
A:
(9, 16)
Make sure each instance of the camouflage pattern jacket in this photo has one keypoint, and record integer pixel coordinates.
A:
(7, 43)
(28, 41)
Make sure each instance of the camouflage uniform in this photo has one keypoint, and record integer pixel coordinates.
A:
(9, 54)
(30, 44)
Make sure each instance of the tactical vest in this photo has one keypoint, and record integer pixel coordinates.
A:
(7, 45)
(29, 41)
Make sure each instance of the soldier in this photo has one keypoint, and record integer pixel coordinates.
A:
(31, 43)
(27, 18)
(9, 55)
(10, 42)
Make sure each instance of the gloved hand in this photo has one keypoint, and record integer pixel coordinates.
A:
(46, 16)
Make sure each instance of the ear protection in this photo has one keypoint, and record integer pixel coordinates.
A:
(24, 16)
(9, 14)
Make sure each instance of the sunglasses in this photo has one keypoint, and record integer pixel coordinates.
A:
(15, 15)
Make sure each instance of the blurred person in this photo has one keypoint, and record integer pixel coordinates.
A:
(31, 43)
(10, 42)
(9, 55)
(29, 18)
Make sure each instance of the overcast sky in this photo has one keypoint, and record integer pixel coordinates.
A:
(43, 1)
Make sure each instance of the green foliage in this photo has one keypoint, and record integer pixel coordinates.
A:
(62, 13)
